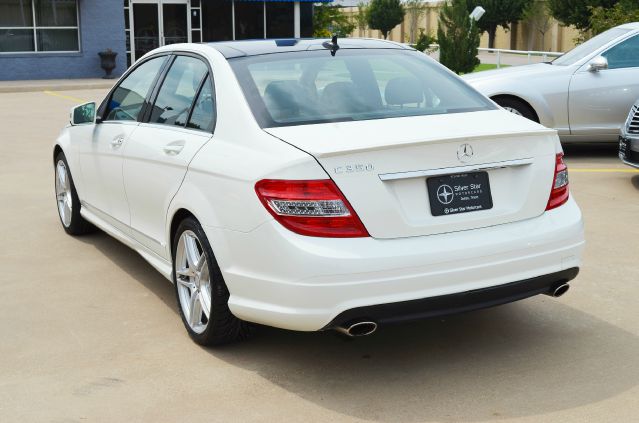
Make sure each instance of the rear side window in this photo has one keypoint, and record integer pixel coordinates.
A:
(128, 98)
(203, 114)
(178, 91)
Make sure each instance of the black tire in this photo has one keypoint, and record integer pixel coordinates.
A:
(517, 105)
(77, 225)
(222, 326)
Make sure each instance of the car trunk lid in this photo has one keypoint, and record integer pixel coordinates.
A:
(382, 167)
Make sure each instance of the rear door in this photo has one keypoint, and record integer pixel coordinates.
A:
(179, 122)
(599, 101)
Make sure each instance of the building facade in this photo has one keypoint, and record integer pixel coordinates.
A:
(51, 39)
(543, 33)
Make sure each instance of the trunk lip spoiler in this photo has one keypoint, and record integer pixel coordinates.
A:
(457, 169)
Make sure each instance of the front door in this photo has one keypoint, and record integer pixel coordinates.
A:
(599, 101)
(157, 23)
(101, 158)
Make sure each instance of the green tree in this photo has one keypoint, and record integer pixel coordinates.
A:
(415, 9)
(458, 37)
(577, 12)
(330, 20)
(623, 12)
(498, 13)
(385, 15)
(362, 16)
(539, 20)
(423, 41)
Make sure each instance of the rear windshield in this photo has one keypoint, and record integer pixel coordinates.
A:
(314, 87)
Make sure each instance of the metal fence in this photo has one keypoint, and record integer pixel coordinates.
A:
(529, 54)
(524, 56)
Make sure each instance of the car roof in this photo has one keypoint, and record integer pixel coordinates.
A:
(631, 25)
(232, 49)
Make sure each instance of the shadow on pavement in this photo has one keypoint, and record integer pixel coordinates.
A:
(133, 264)
(529, 358)
(524, 359)
(593, 150)
(635, 182)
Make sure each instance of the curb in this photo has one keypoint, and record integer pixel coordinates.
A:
(55, 87)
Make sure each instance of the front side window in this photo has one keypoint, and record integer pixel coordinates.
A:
(624, 54)
(128, 98)
(178, 91)
(358, 84)
(39, 26)
(589, 47)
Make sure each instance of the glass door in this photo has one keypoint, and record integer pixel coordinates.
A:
(174, 20)
(156, 23)
(146, 28)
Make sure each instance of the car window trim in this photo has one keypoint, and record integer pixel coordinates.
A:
(103, 106)
(192, 108)
(158, 84)
(631, 36)
(582, 64)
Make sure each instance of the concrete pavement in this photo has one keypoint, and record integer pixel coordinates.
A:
(90, 332)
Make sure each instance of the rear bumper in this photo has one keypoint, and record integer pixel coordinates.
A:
(455, 303)
(290, 281)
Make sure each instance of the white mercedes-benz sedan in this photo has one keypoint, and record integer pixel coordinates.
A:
(313, 185)
(585, 94)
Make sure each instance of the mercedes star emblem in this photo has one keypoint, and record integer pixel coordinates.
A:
(465, 153)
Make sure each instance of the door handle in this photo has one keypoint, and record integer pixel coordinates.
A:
(174, 148)
(117, 141)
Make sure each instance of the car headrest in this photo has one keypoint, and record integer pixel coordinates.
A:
(404, 90)
(283, 99)
(342, 97)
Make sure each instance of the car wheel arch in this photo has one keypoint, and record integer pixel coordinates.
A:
(57, 150)
(517, 98)
(178, 216)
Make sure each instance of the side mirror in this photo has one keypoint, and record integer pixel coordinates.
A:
(597, 64)
(83, 114)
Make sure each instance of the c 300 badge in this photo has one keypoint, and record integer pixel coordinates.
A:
(354, 168)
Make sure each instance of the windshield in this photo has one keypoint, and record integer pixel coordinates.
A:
(590, 46)
(314, 87)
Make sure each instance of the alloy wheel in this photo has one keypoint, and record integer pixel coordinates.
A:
(513, 110)
(63, 193)
(194, 281)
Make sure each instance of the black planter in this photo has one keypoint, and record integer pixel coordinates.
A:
(107, 62)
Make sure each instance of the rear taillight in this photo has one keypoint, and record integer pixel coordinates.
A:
(559, 193)
(312, 208)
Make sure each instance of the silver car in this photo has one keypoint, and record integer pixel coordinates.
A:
(629, 139)
(584, 94)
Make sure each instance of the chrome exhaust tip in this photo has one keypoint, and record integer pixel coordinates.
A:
(559, 290)
(362, 328)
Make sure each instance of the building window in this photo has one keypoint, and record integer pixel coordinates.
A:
(217, 20)
(306, 19)
(39, 26)
(249, 20)
(279, 20)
